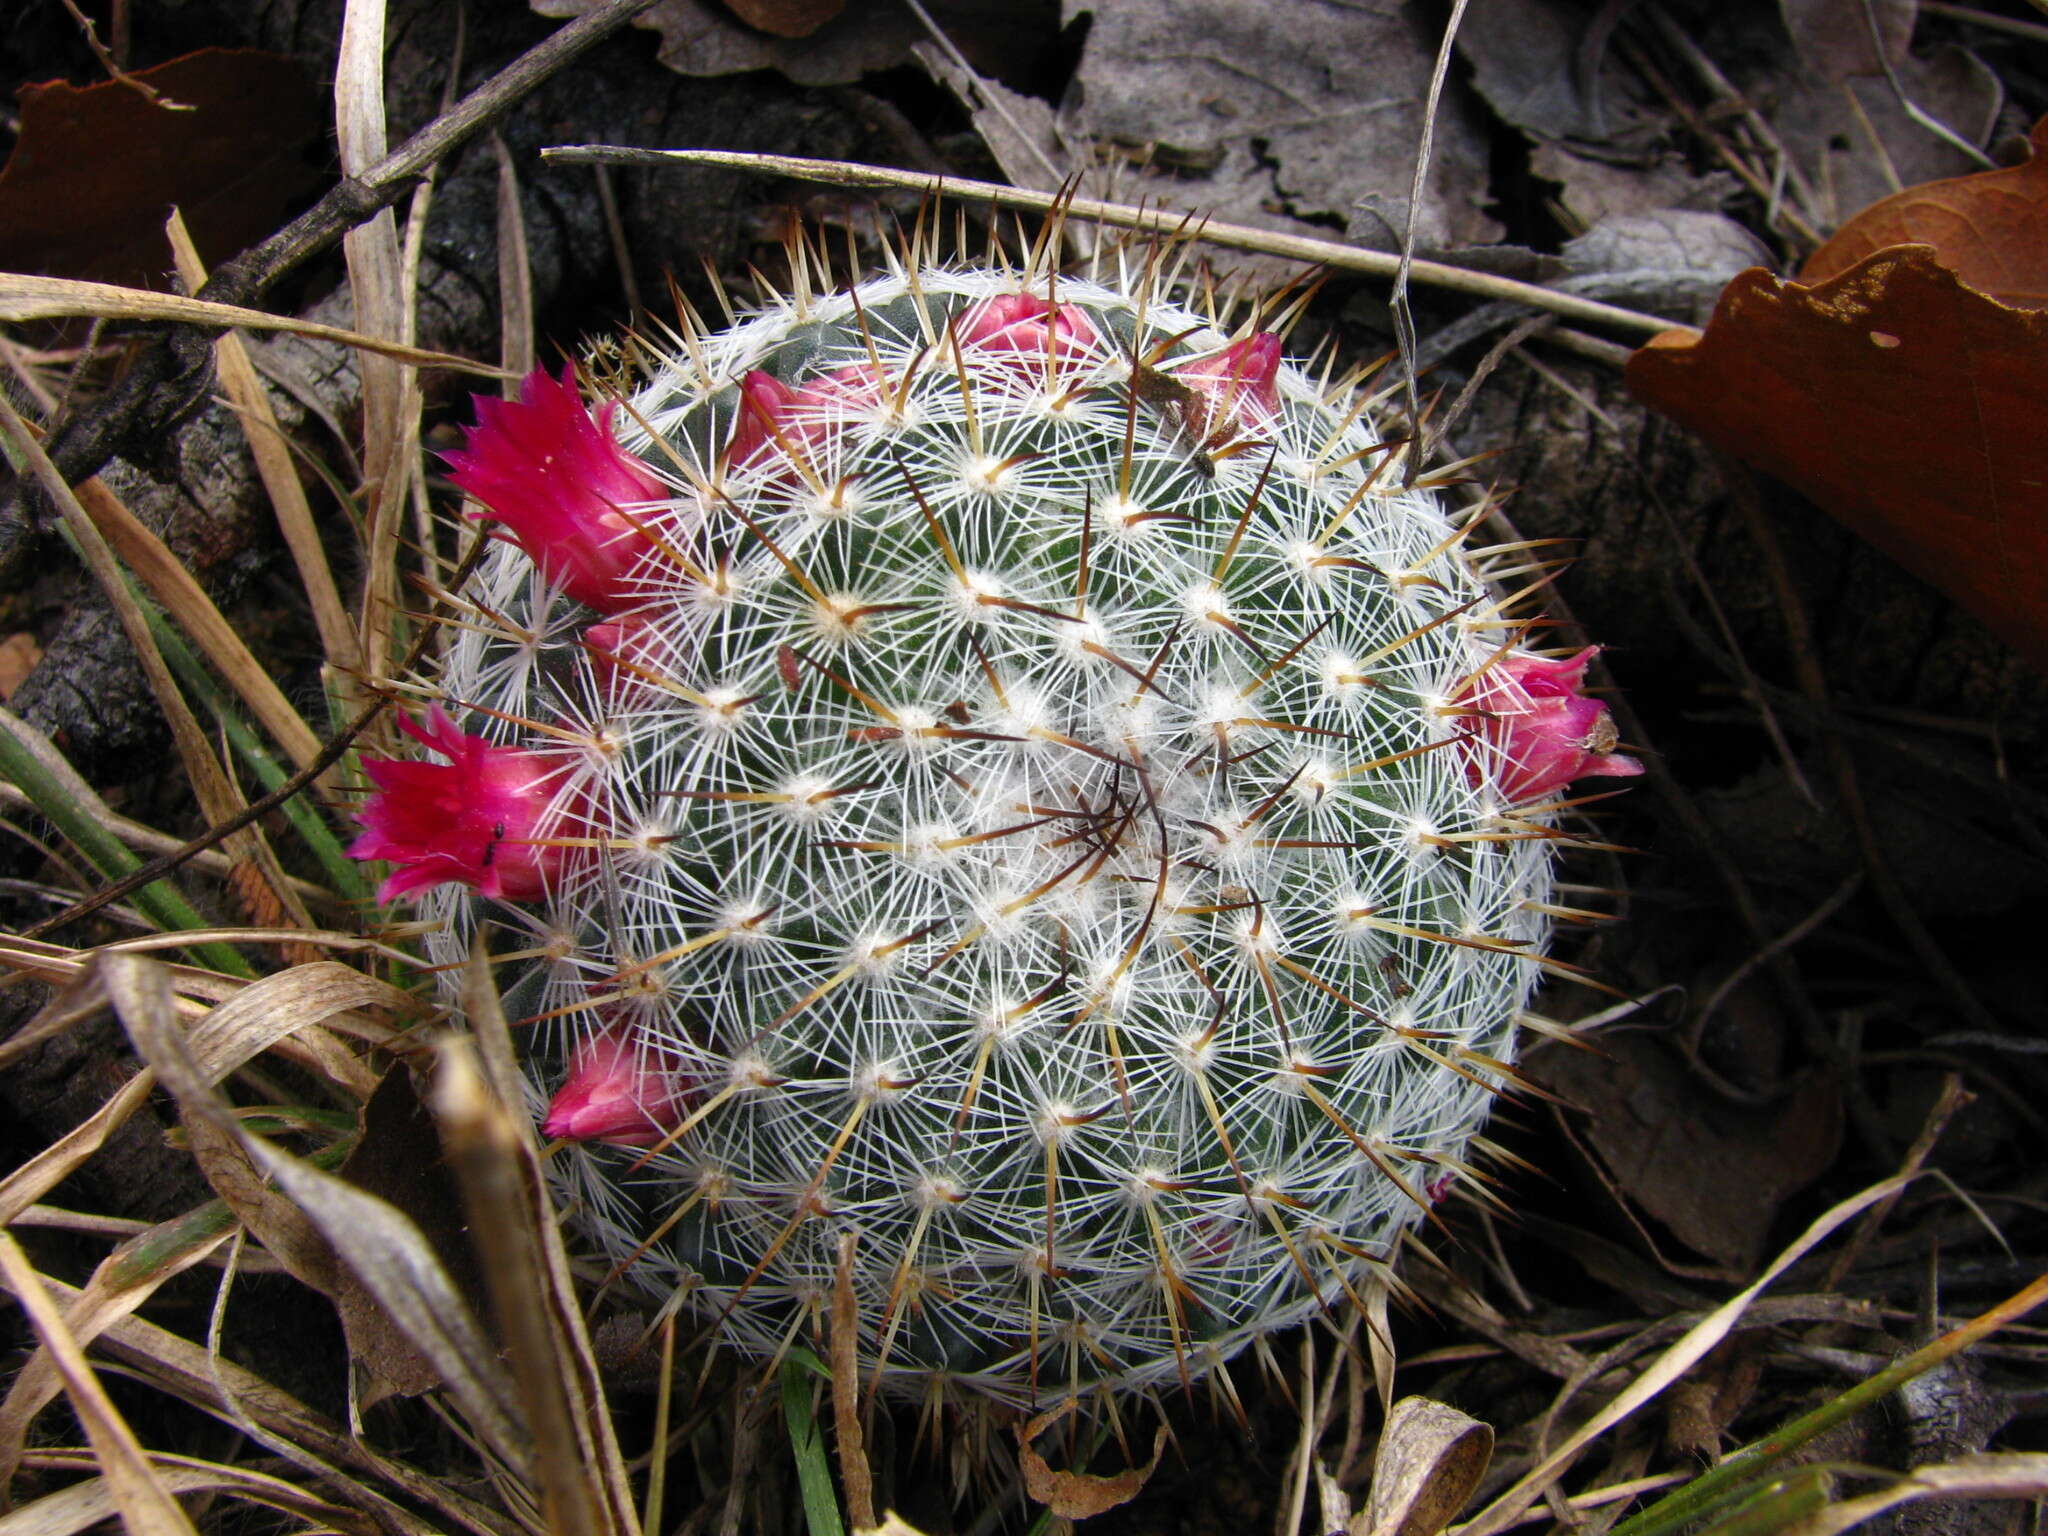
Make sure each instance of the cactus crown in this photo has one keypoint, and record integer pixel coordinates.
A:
(1033, 793)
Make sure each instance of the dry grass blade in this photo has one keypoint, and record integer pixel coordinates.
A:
(57, 1162)
(515, 274)
(140, 992)
(1668, 1367)
(483, 1146)
(854, 1477)
(383, 308)
(309, 1219)
(60, 965)
(1994, 1475)
(272, 1416)
(1237, 237)
(167, 580)
(547, 1294)
(281, 1007)
(24, 297)
(113, 1292)
(280, 478)
(86, 1504)
(218, 798)
(145, 1505)
(287, 1010)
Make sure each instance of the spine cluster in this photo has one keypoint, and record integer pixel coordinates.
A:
(995, 764)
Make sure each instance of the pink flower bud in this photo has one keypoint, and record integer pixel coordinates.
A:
(615, 1094)
(1540, 732)
(556, 477)
(471, 819)
(776, 417)
(1241, 381)
(767, 409)
(1025, 324)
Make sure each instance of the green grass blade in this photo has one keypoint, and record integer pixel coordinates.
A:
(343, 873)
(161, 902)
(1758, 1459)
(807, 1444)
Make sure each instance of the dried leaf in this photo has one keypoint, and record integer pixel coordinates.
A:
(1833, 37)
(703, 37)
(1262, 123)
(84, 193)
(786, 18)
(1901, 400)
(1525, 58)
(1078, 1495)
(1849, 142)
(1990, 230)
(1430, 1460)
(400, 1161)
(1654, 1131)
(19, 655)
(1019, 130)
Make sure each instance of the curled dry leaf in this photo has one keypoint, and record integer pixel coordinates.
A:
(1899, 387)
(1078, 1495)
(1429, 1463)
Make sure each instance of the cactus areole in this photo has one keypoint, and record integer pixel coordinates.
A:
(997, 765)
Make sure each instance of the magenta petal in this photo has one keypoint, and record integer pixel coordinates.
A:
(557, 479)
(472, 820)
(1539, 732)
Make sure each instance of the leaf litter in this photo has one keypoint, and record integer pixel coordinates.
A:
(1645, 158)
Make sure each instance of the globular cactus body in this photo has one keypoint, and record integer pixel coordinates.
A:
(1029, 789)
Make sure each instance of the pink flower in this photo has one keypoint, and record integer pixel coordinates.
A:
(1540, 732)
(471, 820)
(557, 478)
(1241, 381)
(775, 416)
(1025, 324)
(615, 1094)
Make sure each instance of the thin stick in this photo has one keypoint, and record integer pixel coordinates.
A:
(1235, 237)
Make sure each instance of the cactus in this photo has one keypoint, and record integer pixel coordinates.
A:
(994, 764)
